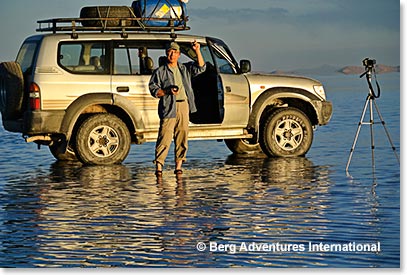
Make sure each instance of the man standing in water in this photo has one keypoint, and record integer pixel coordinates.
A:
(171, 83)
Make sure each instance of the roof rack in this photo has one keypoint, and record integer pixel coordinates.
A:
(123, 25)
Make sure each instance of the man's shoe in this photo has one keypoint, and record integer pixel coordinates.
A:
(178, 172)
(158, 173)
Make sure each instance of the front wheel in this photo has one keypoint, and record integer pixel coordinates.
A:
(62, 151)
(242, 146)
(287, 132)
(103, 139)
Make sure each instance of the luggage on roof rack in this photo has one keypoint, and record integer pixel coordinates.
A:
(170, 18)
(116, 13)
(174, 11)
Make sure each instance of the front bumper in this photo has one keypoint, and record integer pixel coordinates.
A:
(324, 111)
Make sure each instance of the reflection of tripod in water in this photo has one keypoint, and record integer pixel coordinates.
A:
(370, 101)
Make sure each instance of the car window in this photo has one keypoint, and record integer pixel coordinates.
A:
(189, 54)
(134, 58)
(126, 61)
(26, 55)
(83, 57)
(223, 61)
(206, 54)
(142, 57)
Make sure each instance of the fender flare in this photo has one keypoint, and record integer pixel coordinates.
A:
(272, 97)
(77, 108)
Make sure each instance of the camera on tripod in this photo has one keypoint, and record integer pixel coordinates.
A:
(370, 102)
(369, 63)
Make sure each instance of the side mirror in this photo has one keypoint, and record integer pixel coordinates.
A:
(245, 66)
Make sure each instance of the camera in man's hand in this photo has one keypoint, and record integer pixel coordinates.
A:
(172, 89)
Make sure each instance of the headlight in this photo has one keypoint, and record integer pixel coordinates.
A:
(319, 89)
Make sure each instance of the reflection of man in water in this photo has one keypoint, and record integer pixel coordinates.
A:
(171, 83)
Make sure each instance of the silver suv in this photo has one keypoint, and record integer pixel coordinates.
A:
(84, 93)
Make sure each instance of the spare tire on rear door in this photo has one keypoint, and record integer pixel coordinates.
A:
(116, 13)
(11, 90)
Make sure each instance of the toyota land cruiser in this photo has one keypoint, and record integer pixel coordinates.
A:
(83, 91)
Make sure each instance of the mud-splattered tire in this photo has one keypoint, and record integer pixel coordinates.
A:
(242, 146)
(102, 139)
(62, 152)
(11, 90)
(287, 132)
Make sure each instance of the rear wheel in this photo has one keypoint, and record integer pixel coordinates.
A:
(103, 139)
(11, 90)
(287, 132)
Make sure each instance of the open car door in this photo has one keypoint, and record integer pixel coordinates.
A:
(235, 87)
(222, 93)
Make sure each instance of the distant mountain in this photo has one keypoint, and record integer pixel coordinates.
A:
(380, 69)
(322, 70)
(329, 70)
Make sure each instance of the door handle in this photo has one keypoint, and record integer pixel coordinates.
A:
(122, 89)
(228, 89)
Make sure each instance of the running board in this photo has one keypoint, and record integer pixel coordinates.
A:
(205, 133)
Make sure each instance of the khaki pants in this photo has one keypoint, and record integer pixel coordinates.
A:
(176, 128)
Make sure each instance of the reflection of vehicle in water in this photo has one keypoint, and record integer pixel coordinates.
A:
(297, 177)
(112, 216)
(289, 171)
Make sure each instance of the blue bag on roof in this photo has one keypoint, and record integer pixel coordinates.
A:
(160, 13)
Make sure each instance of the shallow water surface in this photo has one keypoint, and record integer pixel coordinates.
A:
(225, 211)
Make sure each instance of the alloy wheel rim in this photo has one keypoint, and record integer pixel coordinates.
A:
(103, 141)
(288, 134)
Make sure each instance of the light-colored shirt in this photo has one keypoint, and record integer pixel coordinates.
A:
(182, 95)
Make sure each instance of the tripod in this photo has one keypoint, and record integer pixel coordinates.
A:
(370, 101)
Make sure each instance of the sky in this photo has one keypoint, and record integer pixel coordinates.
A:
(273, 34)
